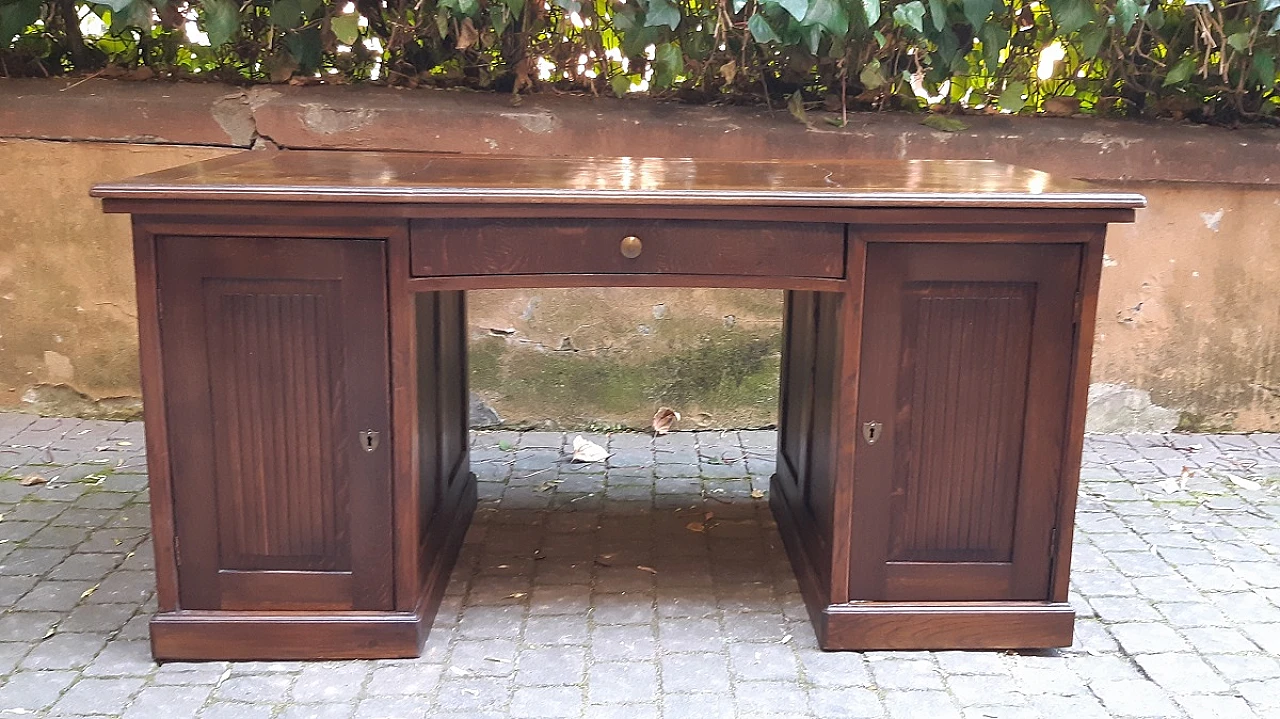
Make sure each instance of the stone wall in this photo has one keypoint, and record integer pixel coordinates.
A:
(1189, 315)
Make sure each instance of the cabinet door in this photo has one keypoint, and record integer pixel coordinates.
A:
(962, 402)
(274, 356)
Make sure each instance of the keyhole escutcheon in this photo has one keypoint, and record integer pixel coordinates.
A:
(369, 440)
(871, 431)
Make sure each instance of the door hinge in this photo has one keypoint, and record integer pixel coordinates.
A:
(1053, 544)
(177, 551)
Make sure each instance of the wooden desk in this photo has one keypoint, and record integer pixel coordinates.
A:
(303, 331)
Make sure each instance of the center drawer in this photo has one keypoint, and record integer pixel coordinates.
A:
(688, 247)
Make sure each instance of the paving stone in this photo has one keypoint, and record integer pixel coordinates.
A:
(614, 682)
(65, 651)
(470, 694)
(1182, 673)
(623, 642)
(845, 702)
(914, 704)
(1216, 707)
(167, 702)
(34, 690)
(266, 688)
(707, 672)
(393, 708)
(233, 710)
(696, 706)
(551, 666)
(328, 683)
(123, 658)
(1134, 699)
(906, 674)
(546, 702)
(763, 662)
(317, 711)
(756, 698)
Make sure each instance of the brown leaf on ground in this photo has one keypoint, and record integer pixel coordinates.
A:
(664, 420)
(32, 480)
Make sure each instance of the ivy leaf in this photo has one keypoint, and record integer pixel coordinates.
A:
(1264, 68)
(1011, 99)
(16, 17)
(1239, 41)
(870, 77)
(515, 6)
(1181, 70)
(469, 7)
(221, 21)
(910, 15)
(1071, 15)
(347, 28)
(760, 29)
(871, 11)
(1091, 39)
(305, 47)
(569, 6)
(668, 62)
(286, 14)
(794, 8)
(938, 13)
(1155, 16)
(621, 85)
(830, 15)
(944, 124)
(795, 105)
(994, 38)
(662, 12)
(1127, 14)
(498, 17)
(977, 11)
(117, 5)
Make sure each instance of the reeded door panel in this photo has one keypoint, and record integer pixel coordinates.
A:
(274, 353)
(962, 412)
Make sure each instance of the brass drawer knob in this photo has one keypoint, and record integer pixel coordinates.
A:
(631, 247)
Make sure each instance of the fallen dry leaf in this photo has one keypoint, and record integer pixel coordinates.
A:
(1242, 483)
(664, 420)
(89, 591)
(703, 419)
(516, 595)
(584, 450)
(696, 527)
(467, 34)
(757, 494)
(32, 480)
(643, 568)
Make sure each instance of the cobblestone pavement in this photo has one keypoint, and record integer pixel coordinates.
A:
(1176, 579)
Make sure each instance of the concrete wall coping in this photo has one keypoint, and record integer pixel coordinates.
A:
(428, 120)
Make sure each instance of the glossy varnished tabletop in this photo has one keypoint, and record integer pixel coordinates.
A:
(387, 177)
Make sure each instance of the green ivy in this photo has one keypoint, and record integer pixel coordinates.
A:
(1205, 60)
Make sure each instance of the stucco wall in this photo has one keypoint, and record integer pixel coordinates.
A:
(1188, 310)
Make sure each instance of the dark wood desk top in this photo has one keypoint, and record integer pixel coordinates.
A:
(415, 178)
